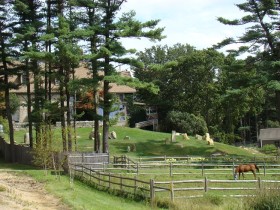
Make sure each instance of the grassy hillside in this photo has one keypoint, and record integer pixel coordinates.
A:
(148, 143)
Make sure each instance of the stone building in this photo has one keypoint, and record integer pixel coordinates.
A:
(81, 72)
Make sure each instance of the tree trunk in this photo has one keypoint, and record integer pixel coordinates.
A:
(62, 109)
(277, 105)
(96, 124)
(93, 46)
(106, 113)
(29, 105)
(68, 113)
(7, 102)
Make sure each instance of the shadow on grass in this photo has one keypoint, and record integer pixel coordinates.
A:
(14, 166)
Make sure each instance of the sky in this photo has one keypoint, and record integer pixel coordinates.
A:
(191, 22)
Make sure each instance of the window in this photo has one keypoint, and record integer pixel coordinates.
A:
(23, 78)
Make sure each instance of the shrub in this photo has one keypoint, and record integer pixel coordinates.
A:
(226, 138)
(184, 122)
(269, 148)
(265, 199)
(273, 124)
(5, 124)
(136, 115)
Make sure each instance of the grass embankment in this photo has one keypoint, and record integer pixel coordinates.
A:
(148, 143)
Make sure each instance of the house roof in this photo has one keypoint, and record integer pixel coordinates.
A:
(269, 134)
(81, 72)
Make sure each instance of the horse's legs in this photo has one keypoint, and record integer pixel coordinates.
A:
(243, 175)
(254, 174)
(239, 175)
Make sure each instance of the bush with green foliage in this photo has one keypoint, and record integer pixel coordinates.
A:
(137, 115)
(265, 199)
(273, 124)
(269, 149)
(226, 138)
(184, 122)
(14, 103)
(5, 124)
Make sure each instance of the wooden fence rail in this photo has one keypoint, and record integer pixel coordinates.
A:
(174, 189)
(112, 180)
(180, 168)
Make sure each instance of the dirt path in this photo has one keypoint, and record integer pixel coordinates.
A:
(21, 192)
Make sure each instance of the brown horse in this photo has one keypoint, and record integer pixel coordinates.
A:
(245, 168)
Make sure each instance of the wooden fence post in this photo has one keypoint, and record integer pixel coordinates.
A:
(152, 192)
(90, 174)
(121, 182)
(135, 185)
(264, 172)
(126, 161)
(170, 169)
(172, 191)
(137, 169)
(82, 169)
(202, 169)
(233, 168)
(259, 182)
(109, 180)
(205, 184)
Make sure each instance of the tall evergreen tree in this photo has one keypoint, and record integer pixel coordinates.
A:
(7, 67)
(112, 31)
(27, 28)
(88, 17)
(262, 39)
(67, 58)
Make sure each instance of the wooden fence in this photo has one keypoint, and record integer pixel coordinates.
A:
(22, 152)
(173, 169)
(183, 167)
(96, 160)
(23, 155)
(172, 190)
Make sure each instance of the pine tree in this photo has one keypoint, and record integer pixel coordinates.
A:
(112, 31)
(88, 17)
(27, 28)
(67, 58)
(262, 40)
(7, 67)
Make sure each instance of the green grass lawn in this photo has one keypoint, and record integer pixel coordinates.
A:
(148, 143)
